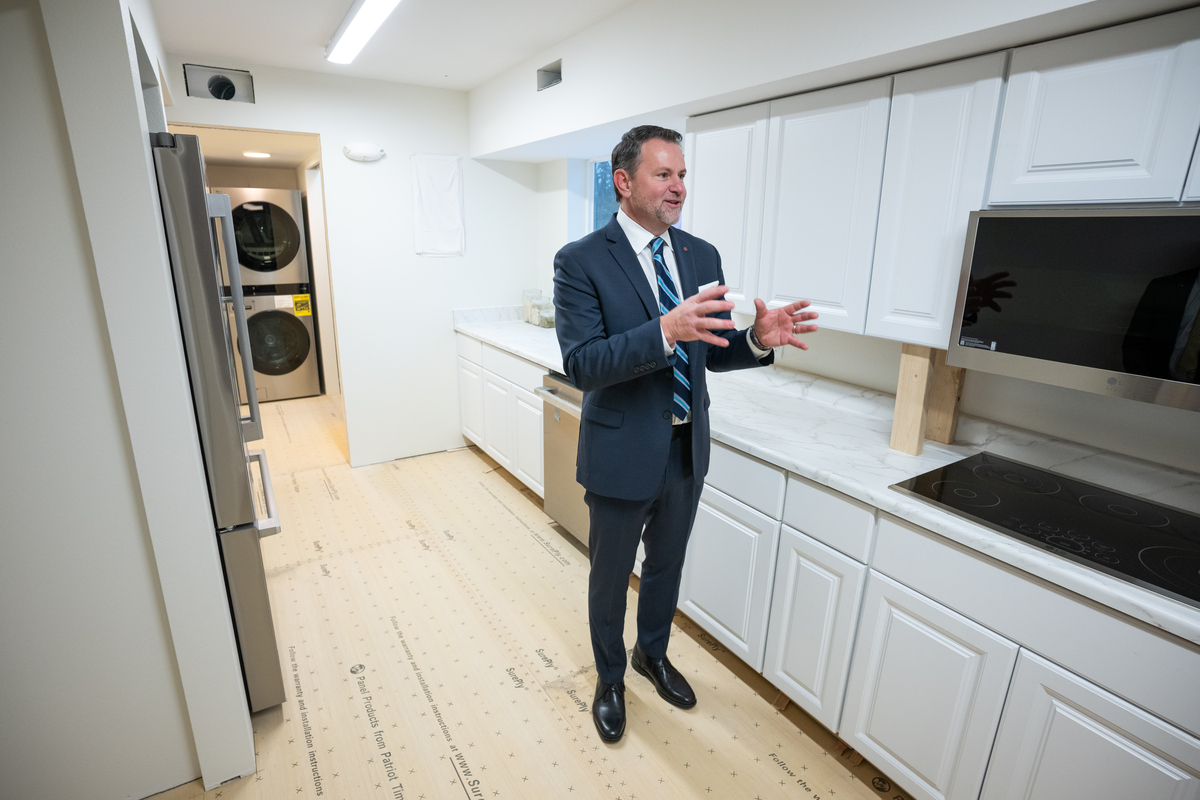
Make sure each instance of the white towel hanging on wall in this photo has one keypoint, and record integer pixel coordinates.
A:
(439, 229)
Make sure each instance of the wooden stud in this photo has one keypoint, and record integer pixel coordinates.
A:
(781, 701)
(942, 416)
(912, 398)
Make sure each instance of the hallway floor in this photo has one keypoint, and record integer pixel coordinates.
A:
(432, 627)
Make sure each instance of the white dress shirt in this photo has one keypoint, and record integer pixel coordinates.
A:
(640, 240)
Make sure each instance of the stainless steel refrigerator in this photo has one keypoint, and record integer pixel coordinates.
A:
(193, 219)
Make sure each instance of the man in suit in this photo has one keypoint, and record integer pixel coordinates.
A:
(637, 333)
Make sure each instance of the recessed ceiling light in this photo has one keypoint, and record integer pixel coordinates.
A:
(257, 155)
(360, 24)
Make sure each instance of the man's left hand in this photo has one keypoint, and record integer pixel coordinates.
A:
(778, 326)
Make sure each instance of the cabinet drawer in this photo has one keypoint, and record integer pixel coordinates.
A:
(755, 483)
(516, 371)
(830, 517)
(470, 349)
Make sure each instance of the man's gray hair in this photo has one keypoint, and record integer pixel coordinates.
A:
(627, 155)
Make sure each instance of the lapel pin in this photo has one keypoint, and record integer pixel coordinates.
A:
(685, 248)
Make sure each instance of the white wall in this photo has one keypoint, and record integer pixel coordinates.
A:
(91, 701)
(671, 58)
(560, 214)
(394, 322)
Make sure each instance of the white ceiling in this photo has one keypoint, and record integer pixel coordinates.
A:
(450, 44)
(224, 146)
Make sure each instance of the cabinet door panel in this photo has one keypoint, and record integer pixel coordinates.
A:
(939, 144)
(527, 439)
(470, 400)
(925, 692)
(1063, 738)
(726, 160)
(824, 167)
(726, 584)
(814, 609)
(1106, 116)
(497, 419)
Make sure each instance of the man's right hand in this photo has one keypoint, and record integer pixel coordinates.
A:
(689, 320)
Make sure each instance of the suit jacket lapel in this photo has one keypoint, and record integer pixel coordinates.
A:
(687, 277)
(687, 269)
(623, 253)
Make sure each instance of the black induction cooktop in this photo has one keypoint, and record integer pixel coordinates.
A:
(1154, 546)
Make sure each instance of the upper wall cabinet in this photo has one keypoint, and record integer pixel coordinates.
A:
(726, 158)
(1106, 116)
(938, 148)
(824, 168)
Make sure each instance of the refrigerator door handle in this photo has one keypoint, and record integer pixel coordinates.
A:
(270, 525)
(219, 208)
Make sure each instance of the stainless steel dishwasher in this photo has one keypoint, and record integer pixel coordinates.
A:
(560, 426)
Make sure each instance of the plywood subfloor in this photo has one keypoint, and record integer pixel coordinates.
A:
(432, 626)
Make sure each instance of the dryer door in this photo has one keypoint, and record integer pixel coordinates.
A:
(268, 239)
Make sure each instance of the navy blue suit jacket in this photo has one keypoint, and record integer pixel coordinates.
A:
(612, 348)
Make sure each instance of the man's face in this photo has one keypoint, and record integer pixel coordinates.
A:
(656, 189)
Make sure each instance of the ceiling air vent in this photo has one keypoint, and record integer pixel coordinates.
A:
(217, 83)
(550, 75)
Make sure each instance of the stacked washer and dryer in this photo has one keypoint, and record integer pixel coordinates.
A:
(269, 230)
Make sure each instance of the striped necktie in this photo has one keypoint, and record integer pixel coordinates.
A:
(668, 298)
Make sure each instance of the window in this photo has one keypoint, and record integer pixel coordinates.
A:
(603, 202)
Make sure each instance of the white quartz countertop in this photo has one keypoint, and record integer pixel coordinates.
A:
(837, 435)
(539, 345)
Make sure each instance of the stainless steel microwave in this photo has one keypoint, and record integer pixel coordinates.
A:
(1101, 300)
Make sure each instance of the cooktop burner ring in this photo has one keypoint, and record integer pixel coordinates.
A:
(967, 494)
(1126, 509)
(1175, 565)
(1021, 478)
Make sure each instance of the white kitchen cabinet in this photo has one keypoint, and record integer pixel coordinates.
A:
(726, 583)
(726, 160)
(1105, 116)
(498, 418)
(814, 610)
(824, 168)
(939, 145)
(527, 439)
(1064, 738)
(470, 400)
(498, 409)
(925, 692)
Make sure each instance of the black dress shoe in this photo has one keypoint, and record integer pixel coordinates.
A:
(671, 685)
(608, 710)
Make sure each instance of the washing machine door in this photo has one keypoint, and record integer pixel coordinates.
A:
(267, 236)
(279, 342)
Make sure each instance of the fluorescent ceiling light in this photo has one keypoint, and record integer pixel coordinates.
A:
(360, 24)
(257, 155)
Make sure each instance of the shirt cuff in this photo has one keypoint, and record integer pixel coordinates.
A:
(759, 352)
(667, 349)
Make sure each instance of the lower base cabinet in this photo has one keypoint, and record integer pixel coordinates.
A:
(527, 440)
(814, 611)
(1064, 738)
(726, 582)
(925, 693)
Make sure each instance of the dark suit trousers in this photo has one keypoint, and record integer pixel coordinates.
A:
(616, 529)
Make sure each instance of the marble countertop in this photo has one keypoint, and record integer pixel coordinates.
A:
(838, 435)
